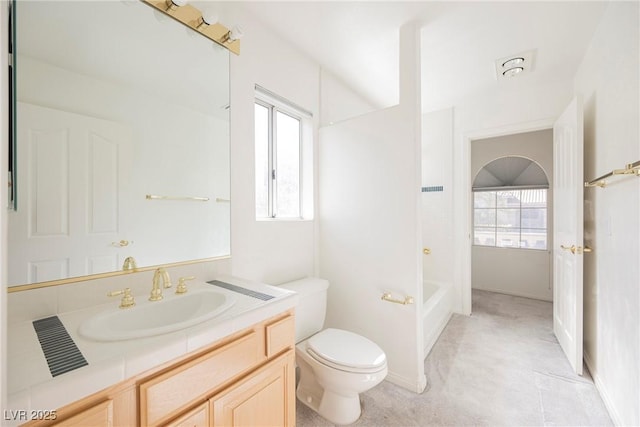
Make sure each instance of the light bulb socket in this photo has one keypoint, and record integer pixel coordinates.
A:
(512, 62)
(511, 72)
(207, 19)
(232, 35)
(173, 5)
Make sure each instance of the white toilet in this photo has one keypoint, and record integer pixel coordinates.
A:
(335, 365)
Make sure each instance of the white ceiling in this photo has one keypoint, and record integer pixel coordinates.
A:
(358, 42)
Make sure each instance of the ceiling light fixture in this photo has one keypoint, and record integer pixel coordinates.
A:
(514, 65)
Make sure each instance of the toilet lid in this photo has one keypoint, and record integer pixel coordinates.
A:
(346, 349)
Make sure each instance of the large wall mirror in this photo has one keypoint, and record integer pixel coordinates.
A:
(122, 141)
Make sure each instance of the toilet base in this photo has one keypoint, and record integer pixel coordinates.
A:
(339, 408)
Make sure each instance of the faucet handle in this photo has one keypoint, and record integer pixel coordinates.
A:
(182, 286)
(127, 299)
(129, 264)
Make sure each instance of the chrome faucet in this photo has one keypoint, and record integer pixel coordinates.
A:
(156, 291)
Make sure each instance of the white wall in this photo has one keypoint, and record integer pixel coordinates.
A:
(270, 251)
(521, 272)
(370, 224)
(437, 206)
(338, 101)
(508, 111)
(608, 80)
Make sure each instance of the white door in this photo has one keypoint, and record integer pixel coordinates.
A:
(568, 190)
(70, 169)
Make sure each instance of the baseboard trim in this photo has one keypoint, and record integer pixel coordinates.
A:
(416, 386)
(515, 294)
(615, 417)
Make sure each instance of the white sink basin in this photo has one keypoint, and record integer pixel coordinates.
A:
(146, 319)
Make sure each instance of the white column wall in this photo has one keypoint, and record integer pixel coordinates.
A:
(437, 206)
(370, 223)
(608, 80)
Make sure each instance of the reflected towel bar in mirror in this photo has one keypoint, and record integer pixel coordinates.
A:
(197, 199)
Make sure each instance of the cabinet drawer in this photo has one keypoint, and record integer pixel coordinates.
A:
(99, 415)
(162, 397)
(280, 335)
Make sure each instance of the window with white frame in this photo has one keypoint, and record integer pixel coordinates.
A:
(510, 218)
(278, 156)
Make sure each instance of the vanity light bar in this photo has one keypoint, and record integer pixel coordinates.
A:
(192, 18)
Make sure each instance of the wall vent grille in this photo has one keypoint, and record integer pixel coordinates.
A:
(241, 290)
(432, 189)
(61, 352)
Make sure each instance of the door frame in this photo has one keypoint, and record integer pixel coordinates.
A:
(465, 197)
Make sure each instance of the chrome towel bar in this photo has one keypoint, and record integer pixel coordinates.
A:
(156, 197)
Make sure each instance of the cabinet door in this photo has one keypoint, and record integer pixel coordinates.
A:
(266, 398)
(199, 417)
(167, 395)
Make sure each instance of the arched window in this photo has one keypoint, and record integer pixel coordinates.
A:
(510, 204)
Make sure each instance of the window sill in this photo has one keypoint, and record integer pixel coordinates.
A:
(515, 249)
(284, 219)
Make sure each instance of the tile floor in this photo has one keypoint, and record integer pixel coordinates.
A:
(502, 366)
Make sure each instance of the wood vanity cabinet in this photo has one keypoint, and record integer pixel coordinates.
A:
(247, 379)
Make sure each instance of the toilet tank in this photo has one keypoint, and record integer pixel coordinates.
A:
(312, 305)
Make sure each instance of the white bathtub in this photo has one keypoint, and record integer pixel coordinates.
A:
(437, 310)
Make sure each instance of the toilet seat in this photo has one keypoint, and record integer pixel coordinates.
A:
(346, 351)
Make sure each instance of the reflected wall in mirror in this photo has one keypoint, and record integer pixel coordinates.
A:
(116, 101)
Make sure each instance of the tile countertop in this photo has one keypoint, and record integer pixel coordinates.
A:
(32, 387)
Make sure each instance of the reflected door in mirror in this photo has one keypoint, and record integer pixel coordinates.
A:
(70, 172)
